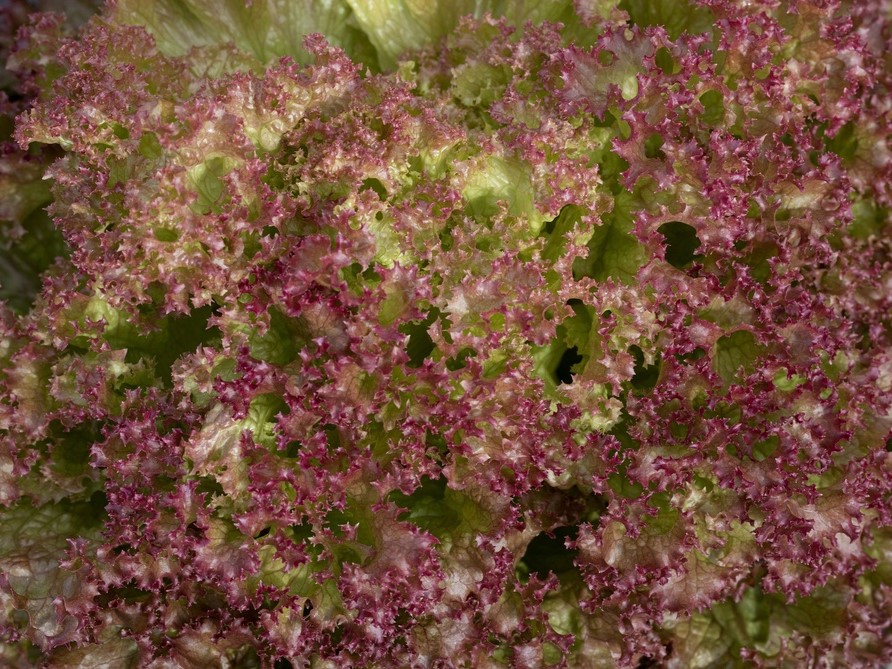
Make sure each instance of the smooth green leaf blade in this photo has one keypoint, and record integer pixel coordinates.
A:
(614, 252)
(735, 352)
(556, 231)
(676, 16)
(265, 29)
(33, 544)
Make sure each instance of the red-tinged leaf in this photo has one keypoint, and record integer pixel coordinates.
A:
(43, 596)
(117, 654)
(556, 337)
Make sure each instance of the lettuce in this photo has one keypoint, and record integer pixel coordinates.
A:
(477, 334)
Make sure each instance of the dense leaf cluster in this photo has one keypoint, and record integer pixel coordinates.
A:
(450, 334)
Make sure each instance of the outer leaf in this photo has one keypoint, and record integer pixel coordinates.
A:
(117, 654)
(266, 29)
(398, 26)
(676, 16)
(33, 546)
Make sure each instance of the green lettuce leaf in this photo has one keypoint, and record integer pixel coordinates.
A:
(676, 16)
(614, 251)
(34, 543)
(265, 29)
(398, 26)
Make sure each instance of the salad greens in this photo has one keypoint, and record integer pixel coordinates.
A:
(447, 334)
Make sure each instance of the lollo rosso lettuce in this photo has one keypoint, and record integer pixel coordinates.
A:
(470, 334)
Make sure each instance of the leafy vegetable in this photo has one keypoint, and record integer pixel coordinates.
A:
(476, 334)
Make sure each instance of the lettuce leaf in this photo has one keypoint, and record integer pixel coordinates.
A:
(353, 333)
